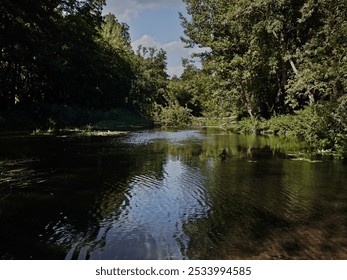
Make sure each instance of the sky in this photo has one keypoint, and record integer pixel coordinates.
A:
(154, 23)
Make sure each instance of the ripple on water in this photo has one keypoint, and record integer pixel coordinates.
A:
(149, 213)
(176, 137)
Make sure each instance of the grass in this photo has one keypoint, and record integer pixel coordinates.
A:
(77, 132)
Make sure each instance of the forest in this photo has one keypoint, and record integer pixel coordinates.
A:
(272, 67)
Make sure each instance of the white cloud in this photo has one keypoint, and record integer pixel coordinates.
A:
(175, 70)
(175, 52)
(146, 40)
(125, 10)
(171, 47)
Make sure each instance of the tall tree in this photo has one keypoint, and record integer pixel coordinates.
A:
(322, 60)
(150, 84)
(259, 47)
(27, 41)
(117, 74)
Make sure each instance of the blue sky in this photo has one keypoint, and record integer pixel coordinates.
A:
(154, 23)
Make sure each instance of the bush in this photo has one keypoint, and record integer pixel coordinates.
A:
(298, 124)
(171, 115)
(339, 116)
(324, 126)
(252, 125)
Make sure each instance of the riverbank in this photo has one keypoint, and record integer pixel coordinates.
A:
(56, 117)
(323, 130)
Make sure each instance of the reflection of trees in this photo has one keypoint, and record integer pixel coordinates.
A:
(242, 196)
(270, 208)
(109, 171)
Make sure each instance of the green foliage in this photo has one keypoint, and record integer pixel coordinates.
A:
(251, 125)
(200, 91)
(187, 90)
(322, 59)
(64, 54)
(330, 130)
(305, 124)
(172, 115)
(249, 46)
(271, 57)
(224, 123)
(150, 83)
(27, 49)
(324, 126)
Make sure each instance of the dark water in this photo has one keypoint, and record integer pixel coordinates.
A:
(169, 195)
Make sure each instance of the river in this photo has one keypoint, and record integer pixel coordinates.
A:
(169, 194)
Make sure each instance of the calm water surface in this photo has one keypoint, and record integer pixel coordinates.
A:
(169, 195)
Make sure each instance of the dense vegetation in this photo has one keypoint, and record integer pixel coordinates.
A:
(276, 66)
(65, 53)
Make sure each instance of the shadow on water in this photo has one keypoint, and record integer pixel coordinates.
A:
(168, 194)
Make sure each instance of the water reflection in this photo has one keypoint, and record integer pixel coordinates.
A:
(169, 195)
(142, 217)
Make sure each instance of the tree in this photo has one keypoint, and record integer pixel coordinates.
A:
(322, 59)
(254, 47)
(189, 89)
(27, 43)
(150, 84)
(63, 52)
(117, 75)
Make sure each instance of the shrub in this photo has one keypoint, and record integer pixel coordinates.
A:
(171, 115)
(252, 125)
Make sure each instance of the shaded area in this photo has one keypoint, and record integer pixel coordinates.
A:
(273, 210)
